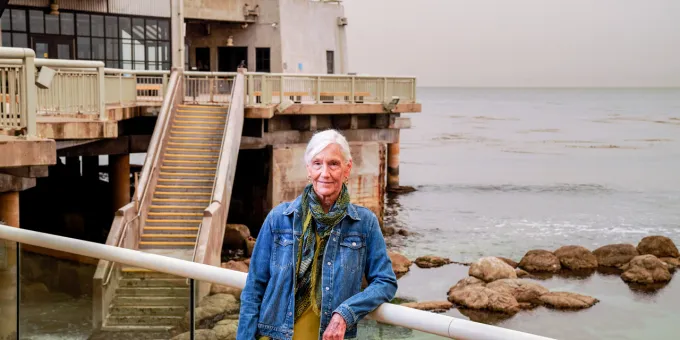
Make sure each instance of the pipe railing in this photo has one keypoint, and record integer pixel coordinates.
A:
(423, 321)
(17, 90)
(208, 87)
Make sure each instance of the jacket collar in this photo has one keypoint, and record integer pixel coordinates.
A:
(295, 207)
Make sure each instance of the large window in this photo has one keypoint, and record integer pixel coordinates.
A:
(120, 41)
(262, 60)
(330, 62)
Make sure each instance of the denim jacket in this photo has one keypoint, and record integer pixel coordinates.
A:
(355, 248)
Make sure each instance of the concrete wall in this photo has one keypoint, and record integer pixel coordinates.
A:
(260, 34)
(308, 30)
(289, 175)
(223, 10)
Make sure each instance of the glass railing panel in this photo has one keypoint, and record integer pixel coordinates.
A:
(68, 296)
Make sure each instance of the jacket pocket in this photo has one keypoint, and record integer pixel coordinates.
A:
(282, 255)
(352, 250)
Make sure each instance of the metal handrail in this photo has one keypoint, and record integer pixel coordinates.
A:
(118, 244)
(217, 169)
(432, 323)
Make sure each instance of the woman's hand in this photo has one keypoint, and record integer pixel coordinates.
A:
(336, 328)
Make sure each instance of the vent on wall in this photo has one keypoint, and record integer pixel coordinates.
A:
(342, 21)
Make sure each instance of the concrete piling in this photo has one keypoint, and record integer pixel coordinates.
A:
(119, 177)
(9, 213)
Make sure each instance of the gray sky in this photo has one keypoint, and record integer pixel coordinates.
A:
(517, 42)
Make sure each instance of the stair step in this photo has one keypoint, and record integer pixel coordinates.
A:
(190, 131)
(198, 116)
(170, 230)
(137, 320)
(185, 221)
(169, 168)
(173, 194)
(141, 273)
(178, 207)
(166, 245)
(191, 161)
(187, 174)
(169, 238)
(149, 310)
(152, 282)
(194, 138)
(196, 146)
(153, 291)
(185, 180)
(195, 202)
(202, 151)
(184, 188)
(192, 121)
(139, 332)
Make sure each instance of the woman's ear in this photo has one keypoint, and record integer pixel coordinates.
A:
(349, 169)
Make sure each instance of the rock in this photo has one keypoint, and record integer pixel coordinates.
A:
(225, 302)
(615, 255)
(659, 246)
(389, 231)
(521, 290)
(565, 300)
(576, 258)
(403, 232)
(211, 310)
(469, 281)
(672, 262)
(226, 329)
(235, 236)
(510, 262)
(522, 273)
(199, 334)
(34, 291)
(400, 264)
(646, 269)
(235, 265)
(491, 268)
(432, 306)
(540, 261)
(478, 297)
(527, 305)
(220, 289)
(250, 244)
(431, 261)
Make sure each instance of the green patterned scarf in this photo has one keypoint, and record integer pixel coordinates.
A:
(315, 224)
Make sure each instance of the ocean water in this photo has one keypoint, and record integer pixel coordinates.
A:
(503, 171)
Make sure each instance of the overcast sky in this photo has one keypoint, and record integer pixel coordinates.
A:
(517, 42)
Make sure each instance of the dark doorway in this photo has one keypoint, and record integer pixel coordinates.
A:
(230, 57)
(53, 47)
(203, 58)
(263, 60)
(330, 62)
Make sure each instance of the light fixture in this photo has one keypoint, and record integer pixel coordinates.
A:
(230, 41)
(244, 25)
(54, 7)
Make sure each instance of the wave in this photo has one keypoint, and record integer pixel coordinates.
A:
(551, 188)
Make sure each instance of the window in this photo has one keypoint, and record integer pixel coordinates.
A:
(330, 62)
(120, 41)
(263, 60)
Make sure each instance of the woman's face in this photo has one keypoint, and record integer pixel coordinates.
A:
(328, 170)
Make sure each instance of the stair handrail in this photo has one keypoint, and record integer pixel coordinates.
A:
(149, 163)
(217, 169)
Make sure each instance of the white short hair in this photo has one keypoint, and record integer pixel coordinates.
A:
(322, 139)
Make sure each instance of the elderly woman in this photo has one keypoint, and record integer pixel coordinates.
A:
(311, 254)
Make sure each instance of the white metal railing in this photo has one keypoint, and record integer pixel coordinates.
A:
(130, 87)
(208, 87)
(17, 89)
(266, 88)
(75, 88)
(428, 322)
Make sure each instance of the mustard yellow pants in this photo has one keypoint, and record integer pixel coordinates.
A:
(306, 328)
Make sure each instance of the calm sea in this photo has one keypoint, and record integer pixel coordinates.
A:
(503, 171)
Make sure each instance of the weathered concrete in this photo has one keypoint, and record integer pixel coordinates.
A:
(19, 151)
(269, 111)
(9, 214)
(119, 175)
(9, 183)
(393, 165)
(112, 146)
(26, 171)
(289, 175)
(222, 10)
(75, 128)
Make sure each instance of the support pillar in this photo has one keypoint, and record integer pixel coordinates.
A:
(9, 214)
(393, 165)
(119, 177)
(91, 168)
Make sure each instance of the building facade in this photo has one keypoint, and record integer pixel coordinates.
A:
(280, 36)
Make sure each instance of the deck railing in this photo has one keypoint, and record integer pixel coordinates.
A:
(17, 90)
(437, 324)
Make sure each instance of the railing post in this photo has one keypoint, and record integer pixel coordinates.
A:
(281, 85)
(352, 96)
(120, 88)
(384, 95)
(413, 89)
(318, 90)
(164, 87)
(31, 99)
(251, 90)
(102, 93)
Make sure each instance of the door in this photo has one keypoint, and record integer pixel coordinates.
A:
(203, 58)
(228, 58)
(53, 47)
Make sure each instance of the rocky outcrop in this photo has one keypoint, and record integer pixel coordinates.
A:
(659, 246)
(235, 236)
(226, 329)
(211, 310)
(491, 269)
(615, 255)
(672, 262)
(540, 261)
(646, 269)
(522, 290)
(199, 334)
(431, 261)
(510, 262)
(432, 306)
(400, 264)
(522, 273)
(389, 231)
(250, 245)
(576, 258)
(466, 282)
(478, 297)
(220, 289)
(565, 300)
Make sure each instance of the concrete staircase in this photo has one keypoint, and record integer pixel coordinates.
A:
(186, 178)
(154, 302)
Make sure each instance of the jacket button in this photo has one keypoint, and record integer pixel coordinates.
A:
(354, 244)
(327, 288)
(290, 313)
(334, 239)
(329, 263)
